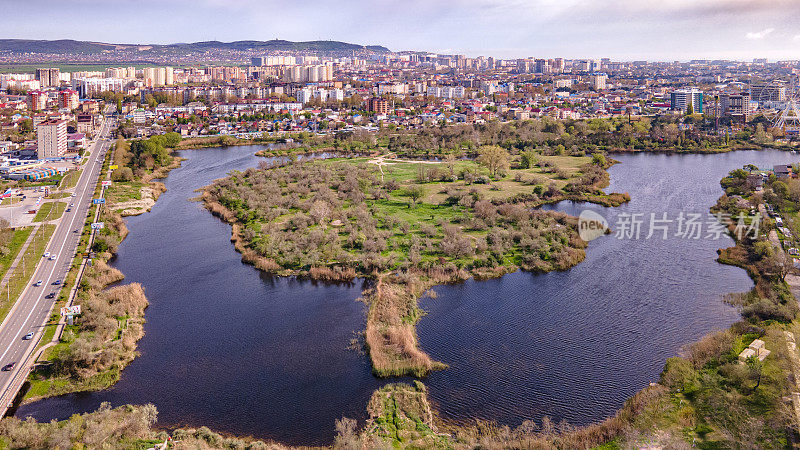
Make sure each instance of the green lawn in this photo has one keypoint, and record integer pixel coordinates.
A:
(58, 195)
(10, 201)
(50, 211)
(70, 179)
(19, 238)
(120, 192)
(24, 271)
(406, 174)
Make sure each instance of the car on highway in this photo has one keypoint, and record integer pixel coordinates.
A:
(8, 366)
(72, 205)
(69, 209)
(46, 254)
(28, 336)
(74, 194)
(50, 295)
(52, 257)
(57, 282)
(38, 283)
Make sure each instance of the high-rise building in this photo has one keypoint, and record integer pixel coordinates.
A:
(169, 76)
(49, 77)
(258, 61)
(37, 100)
(149, 76)
(683, 98)
(88, 87)
(737, 106)
(116, 72)
(598, 81)
(378, 105)
(768, 92)
(542, 66)
(68, 99)
(51, 137)
(161, 77)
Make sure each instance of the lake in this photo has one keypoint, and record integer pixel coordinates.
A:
(248, 354)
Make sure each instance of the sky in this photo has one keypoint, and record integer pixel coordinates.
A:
(663, 30)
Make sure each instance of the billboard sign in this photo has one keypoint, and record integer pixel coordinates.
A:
(73, 310)
(98, 201)
(98, 225)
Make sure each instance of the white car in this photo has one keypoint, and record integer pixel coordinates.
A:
(74, 194)
(38, 283)
(46, 254)
(52, 257)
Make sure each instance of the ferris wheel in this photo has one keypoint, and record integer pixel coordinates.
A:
(787, 117)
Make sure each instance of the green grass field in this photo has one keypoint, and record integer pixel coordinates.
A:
(10, 201)
(24, 271)
(19, 238)
(70, 179)
(124, 191)
(406, 174)
(50, 211)
(58, 195)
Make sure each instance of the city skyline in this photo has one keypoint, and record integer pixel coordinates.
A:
(620, 29)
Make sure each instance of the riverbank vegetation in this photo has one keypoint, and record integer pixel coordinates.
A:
(409, 225)
(127, 426)
(138, 164)
(706, 398)
(91, 353)
(692, 134)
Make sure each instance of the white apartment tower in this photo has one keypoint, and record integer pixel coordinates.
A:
(51, 136)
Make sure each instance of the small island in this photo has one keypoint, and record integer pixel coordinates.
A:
(409, 225)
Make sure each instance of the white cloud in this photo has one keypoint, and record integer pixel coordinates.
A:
(759, 34)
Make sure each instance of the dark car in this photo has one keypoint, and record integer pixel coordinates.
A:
(50, 295)
(57, 282)
(8, 366)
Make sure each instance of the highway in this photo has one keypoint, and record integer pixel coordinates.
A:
(31, 310)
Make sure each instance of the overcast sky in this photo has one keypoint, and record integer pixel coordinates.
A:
(618, 29)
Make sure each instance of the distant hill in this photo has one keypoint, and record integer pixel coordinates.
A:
(71, 46)
(59, 46)
(279, 45)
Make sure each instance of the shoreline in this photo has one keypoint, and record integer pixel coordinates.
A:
(96, 282)
(622, 414)
(390, 332)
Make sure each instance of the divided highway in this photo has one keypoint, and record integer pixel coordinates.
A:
(32, 308)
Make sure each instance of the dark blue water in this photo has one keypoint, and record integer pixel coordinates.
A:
(575, 345)
(248, 354)
(226, 346)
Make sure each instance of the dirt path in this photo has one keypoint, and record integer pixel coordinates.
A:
(791, 345)
(380, 161)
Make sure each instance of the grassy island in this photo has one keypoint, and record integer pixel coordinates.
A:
(714, 395)
(408, 225)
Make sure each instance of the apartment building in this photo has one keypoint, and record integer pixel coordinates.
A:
(682, 99)
(49, 77)
(51, 137)
(68, 99)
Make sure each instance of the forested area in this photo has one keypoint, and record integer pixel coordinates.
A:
(549, 136)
